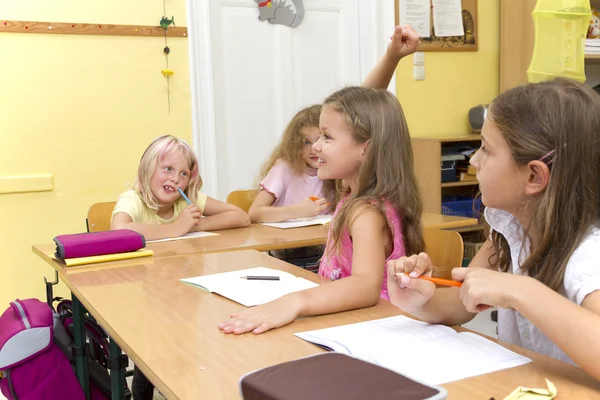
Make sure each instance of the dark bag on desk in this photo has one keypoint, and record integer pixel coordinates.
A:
(98, 243)
(333, 376)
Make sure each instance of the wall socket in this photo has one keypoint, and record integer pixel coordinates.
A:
(419, 58)
(419, 72)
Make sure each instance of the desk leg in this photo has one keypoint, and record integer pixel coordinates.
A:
(118, 363)
(81, 365)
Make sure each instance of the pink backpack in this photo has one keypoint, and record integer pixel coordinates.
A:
(32, 365)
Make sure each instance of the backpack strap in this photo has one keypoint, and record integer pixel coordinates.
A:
(10, 385)
(20, 311)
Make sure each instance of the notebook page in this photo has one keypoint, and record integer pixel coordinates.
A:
(190, 235)
(250, 292)
(351, 339)
(421, 351)
(299, 222)
(448, 359)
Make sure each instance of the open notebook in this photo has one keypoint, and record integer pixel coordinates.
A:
(434, 354)
(299, 222)
(247, 292)
(190, 235)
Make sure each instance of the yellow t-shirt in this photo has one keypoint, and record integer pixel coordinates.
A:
(132, 204)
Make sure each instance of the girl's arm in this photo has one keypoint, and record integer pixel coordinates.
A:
(262, 209)
(220, 215)
(362, 289)
(573, 328)
(404, 42)
(421, 298)
(178, 228)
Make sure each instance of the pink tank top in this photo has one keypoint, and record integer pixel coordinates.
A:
(335, 266)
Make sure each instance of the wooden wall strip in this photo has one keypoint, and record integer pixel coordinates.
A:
(68, 28)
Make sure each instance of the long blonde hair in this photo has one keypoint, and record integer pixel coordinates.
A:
(290, 148)
(563, 117)
(156, 151)
(376, 116)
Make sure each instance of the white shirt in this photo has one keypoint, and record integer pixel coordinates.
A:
(582, 277)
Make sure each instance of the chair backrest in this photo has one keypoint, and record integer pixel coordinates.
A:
(242, 198)
(99, 215)
(445, 249)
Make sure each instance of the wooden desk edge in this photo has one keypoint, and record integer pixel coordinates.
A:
(454, 224)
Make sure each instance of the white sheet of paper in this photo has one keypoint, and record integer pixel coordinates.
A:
(434, 354)
(190, 235)
(416, 13)
(248, 292)
(447, 18)
(299, 222)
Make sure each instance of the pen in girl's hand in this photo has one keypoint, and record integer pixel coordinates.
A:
(184, 196)
(260, 278)
(440, 281)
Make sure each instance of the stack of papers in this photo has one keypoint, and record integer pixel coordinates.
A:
(299, 222)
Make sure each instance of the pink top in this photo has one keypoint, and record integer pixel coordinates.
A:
(289, 188)
(334, 266)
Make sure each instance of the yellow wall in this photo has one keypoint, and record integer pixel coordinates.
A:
(82, 108)
(454, 81)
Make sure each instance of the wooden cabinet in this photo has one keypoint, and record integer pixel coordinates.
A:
(516, 41)
(427, 154)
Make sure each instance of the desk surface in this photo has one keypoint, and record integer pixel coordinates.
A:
(169, 329)
(255, 237)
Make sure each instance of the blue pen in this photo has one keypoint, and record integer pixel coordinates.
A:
(184, 196)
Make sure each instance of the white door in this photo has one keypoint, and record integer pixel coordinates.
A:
(250, 77)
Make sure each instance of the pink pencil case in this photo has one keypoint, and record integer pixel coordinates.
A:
(98, 243)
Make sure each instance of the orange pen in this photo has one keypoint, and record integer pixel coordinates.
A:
(314, 198)
(440, 281)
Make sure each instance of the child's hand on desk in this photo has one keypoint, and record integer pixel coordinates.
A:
(312, 208)
(404, 41)
(483, 288)
(405, 290)
(188, 218)
(262, 318)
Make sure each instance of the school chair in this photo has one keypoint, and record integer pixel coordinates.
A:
(98, 217)
(242, 198)
(445, 248)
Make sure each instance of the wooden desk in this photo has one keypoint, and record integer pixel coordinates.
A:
(169, 329)
(255, 237)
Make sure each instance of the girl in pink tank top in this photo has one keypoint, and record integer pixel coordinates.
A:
(338, 265)
(364, 145)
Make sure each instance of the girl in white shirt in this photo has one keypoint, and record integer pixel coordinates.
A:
(539, 174)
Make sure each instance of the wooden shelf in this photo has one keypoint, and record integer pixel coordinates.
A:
(592, 58)
(459, 183)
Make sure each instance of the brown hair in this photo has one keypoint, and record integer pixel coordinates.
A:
(375, 115)
(290, 148)
(561, 116)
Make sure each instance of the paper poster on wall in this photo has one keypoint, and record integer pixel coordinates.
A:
(416, 13)
(447, 18)
(457, 18)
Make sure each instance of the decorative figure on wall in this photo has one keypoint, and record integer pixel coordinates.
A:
(281, 12)
(164, 23)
